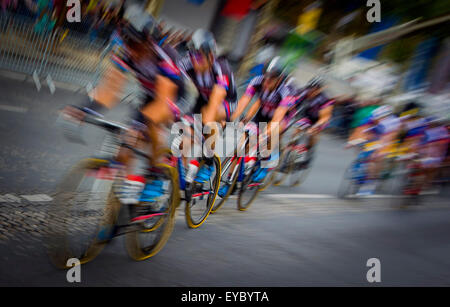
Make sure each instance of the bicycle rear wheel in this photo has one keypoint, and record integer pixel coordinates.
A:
(83, 206)
(149, 237)
(229, 165)
(198, 208)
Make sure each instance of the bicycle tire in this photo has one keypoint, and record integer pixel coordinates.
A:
(222, 201)
(139, 251)
(303, 172)
(347, 186)
(57, 241)
(277, 173)
(241, 205)
(210, 200)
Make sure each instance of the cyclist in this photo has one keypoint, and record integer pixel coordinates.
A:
(383, 131)
(412, 129)
(274, 100)
(214, 81)
(319, 109)
(137, 53)
(434, 149)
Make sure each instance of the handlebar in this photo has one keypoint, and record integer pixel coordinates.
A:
(105, 124)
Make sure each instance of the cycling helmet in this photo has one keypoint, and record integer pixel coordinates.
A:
(138, 26)
(291, 81)
(412, 108)
(316, 82)
(275, 69)
(203, 40)
(381, 112)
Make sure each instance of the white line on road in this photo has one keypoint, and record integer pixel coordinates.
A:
(11, 198)
(328, 196)
(319, 196)
(37, 197)
(4, 107)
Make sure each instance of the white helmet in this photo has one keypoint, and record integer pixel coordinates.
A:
(381, 112)
(204, 40)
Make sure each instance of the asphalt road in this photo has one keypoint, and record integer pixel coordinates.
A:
(301, 236)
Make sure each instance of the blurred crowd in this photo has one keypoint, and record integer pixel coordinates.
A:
(99, 18)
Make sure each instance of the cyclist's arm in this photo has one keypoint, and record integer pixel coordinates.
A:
(110, 89)
(217, 96)
(165, 94)
(242, 104)
(105, 96)
(278, 116)
(250, 92)
(253, 109)
(325, 116)
(286, 103)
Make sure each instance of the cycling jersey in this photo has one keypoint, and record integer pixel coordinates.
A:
(436, 134)
(220, 74)
(415, 127)
(147, 69)
(269, 100)
(435, 149)
(299, 95)
(315, 105)
(386, 125)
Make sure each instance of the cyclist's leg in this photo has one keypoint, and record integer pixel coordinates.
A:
(155, 115)
(214, 122)
(161, 111)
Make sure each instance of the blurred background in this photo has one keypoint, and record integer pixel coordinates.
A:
(404, 56)
(301, 236)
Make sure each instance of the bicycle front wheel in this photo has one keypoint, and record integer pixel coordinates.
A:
(349, 184)
(230, 169)
(249, 190)
(199, 207)
(83, 208)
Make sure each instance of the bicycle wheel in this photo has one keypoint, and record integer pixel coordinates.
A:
(248, 191)
(267, 180)
(298, 167)
(198, 208)
(149, 237)
(349, 184)
(280, 173)
(230, 164)
(82, 207)
(399, 184)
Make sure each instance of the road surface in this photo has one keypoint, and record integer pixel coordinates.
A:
(301, 236)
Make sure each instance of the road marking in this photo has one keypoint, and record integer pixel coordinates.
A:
(37, 197)
(328, 196)
(4, 107)
(310, 196)
(11, 198)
